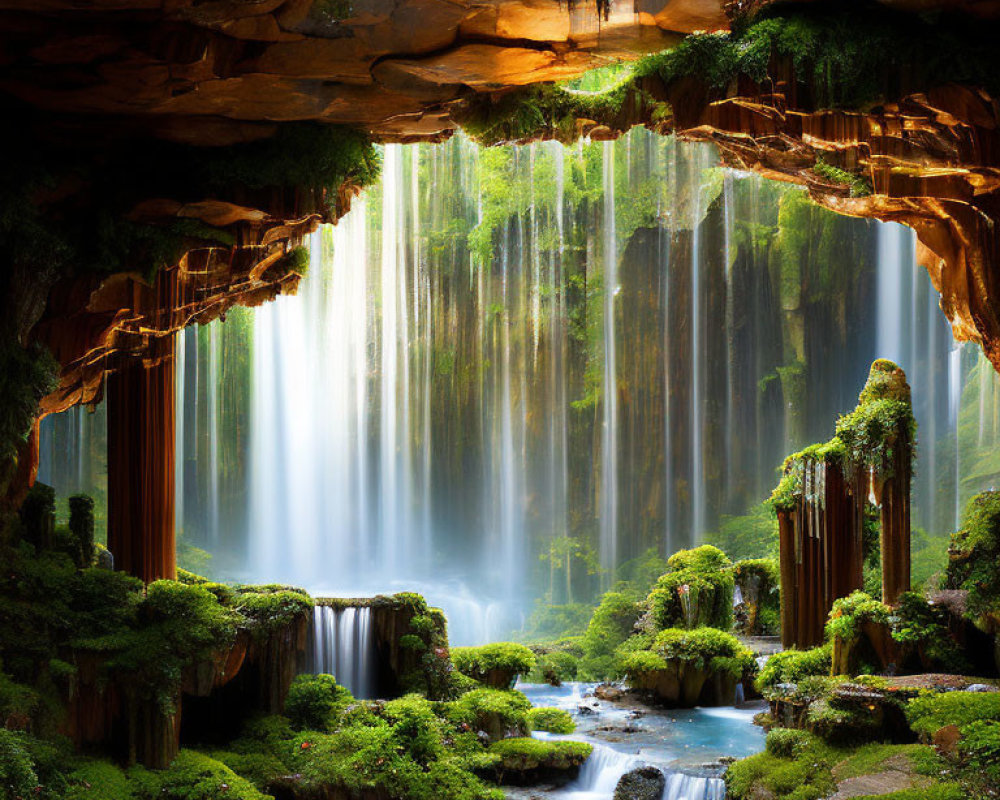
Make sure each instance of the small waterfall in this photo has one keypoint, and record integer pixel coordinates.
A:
(682, 786)
(342, 645)
(600, 774)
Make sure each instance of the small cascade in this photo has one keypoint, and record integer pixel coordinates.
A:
(600, 774)
(342, 644)
(683, 786)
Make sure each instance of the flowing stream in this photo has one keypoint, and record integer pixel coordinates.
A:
(685, 745)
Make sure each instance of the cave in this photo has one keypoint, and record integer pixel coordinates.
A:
(481, 399)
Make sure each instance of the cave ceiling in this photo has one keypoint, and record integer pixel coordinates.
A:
(97, 77)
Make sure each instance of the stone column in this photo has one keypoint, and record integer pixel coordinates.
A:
(141, 418)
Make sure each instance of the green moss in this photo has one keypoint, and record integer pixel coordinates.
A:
(268, 609)
(612, 623)
(552, 720)
(193, 776)
(98, 780)
(313, 701)
(805, 774)
(973, 556)
(526, 754)
(504, 658)
(698, 591)
(859, 185)
(483, 708)
(704, 648)
(918, 623)
(553, 666)
(850, 613)
(930, 713)
(791, 666)
(295, 260)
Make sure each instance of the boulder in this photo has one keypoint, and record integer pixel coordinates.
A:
(644, 783)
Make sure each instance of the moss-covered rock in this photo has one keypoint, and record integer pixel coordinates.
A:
(497, 665)
(684, 668)
(529, 761)
(696, 592)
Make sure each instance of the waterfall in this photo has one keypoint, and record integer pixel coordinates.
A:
(342, 644)
(954, 407)
(682, 786)
(501, 377)
(895, 274)
(600, 774)
(697, 362)
(212, 388)
(609, 446)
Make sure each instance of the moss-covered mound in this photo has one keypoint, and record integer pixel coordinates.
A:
(497, 665)
(696, 591)
(684, 668)
(972, 562)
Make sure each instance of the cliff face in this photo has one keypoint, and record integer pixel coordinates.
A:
(159, 78)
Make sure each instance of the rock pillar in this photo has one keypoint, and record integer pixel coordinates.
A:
(140, 400)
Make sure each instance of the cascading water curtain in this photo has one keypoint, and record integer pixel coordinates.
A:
(510, 372)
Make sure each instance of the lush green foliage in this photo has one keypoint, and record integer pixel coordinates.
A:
(973, 557)
(313, 700)
(797, 765)
(930, 713)
(791, 666)
(704, 648)
(611, 625)
(17, 774)
(552, 720)
(524, 754)
(504, 658)
(697, 591)
(922, 625)
(850, 613)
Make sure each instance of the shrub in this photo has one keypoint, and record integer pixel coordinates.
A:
(704, 648)
(497, 664)
(973, 557)
(979, 749)
(552, 720)
(17, 773)
(553, 667)
(268, 611)
(491, 710)
(611, 625)
(791, 666)
(696, 592)
(313, 699)
(925, 626)
(851, 612)
(786, 742)
(81, 524)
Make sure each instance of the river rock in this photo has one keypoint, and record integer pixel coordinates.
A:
(644, 783)
(607, 691)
